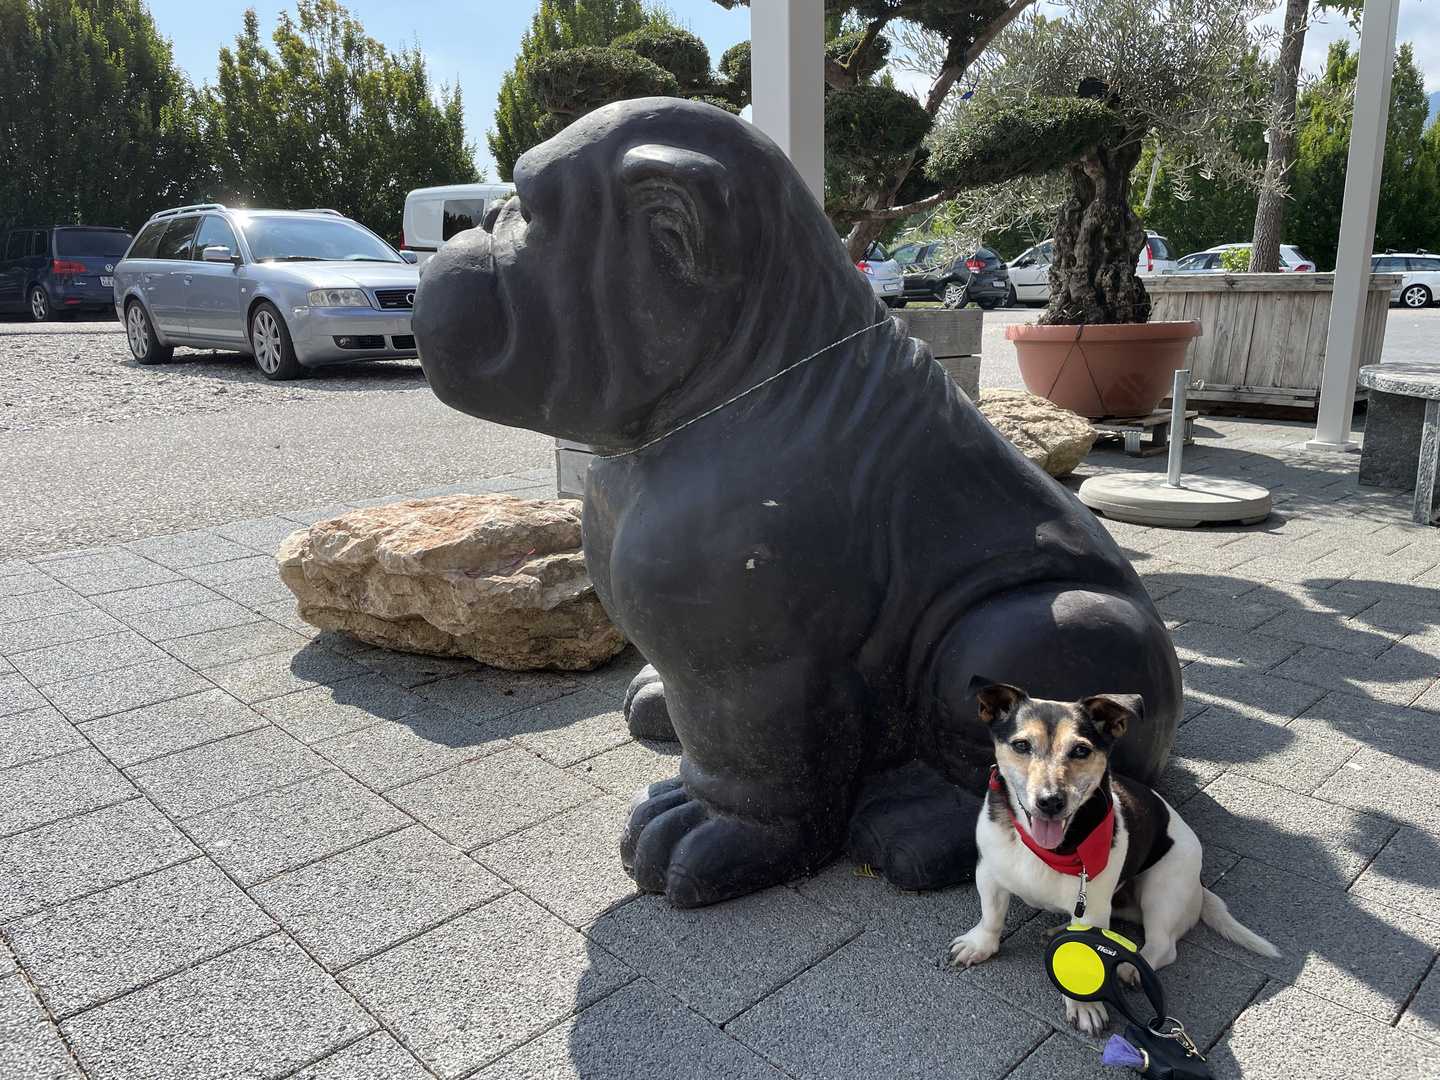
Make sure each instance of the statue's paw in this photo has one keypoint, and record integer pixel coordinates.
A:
(674, 845)
(645, 709)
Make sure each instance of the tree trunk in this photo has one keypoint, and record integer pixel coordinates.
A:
(1270, 214)
(1098, 240)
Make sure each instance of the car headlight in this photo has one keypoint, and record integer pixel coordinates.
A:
(338, 298)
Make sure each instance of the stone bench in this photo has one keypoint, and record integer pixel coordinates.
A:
(1402, 433)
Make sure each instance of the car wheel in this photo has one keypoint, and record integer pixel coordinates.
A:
(1012, 298)
(988, 305)
(954, 295)
(144, 346)
(270, 339)
(39, 306)
(1415, 296)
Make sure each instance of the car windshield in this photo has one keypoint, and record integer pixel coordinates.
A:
(877, 253)
(96, 243)
(1194, 262)
(313, 239)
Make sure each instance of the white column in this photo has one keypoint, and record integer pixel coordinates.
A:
(787, 81)
(1357, 226)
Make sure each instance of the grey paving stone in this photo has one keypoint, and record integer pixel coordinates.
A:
(613, 678)
(1184, 777)
(412, 670)
(637, 1033)
(1355, 636)
(1308, 836)
(1345, 948)
(1215, 608)
(1405, 875)
(94, 949)
(261, 1010)
(875, 1009)
(215, 614)
(487, 693)
(1402, 618)
(375, 1057)
(259, 534)
(30, 1047)
(1399, 675)
(422, 743)
(62, 564)
(467, 992)
(347, 705)
(1247, 692)
(193, 781)
(48, 866)
(234, 570)
(353, 905)
(256, 591)
(227, 645)
(1389, 788)
(186, 549)
(1380, 725)
(318, 514)
(924, 922)
(1288, 1032)
(76, 659)
(17, 695)
(570, 863)
(23, 578)
(1298, 756)
(35, 734)
(1422, 1015)
(58, 787)
(1224, 646)
(113, 580)
(56, 630)
(480, 801)
(152, 731)
(291, 826)
(1066, 1056)
(628, 768)
(149, 598)
(576, 727)
(722, 959)
(286, 614)
(273, 674)
(148, 683)
(55, 599)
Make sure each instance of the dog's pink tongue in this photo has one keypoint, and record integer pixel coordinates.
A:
(1047, 832)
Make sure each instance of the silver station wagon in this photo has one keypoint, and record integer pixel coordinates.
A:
(295, 289)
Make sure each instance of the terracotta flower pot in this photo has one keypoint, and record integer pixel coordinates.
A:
(1098, 371)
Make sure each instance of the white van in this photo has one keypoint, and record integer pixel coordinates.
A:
(435, 214)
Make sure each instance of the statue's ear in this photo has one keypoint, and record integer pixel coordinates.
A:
(679, 198)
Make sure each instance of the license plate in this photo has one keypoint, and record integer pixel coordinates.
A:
(107, 282)
(893, 288)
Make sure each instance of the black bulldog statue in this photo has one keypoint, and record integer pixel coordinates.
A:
(819, 566)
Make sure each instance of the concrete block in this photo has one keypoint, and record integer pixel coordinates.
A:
(262, 1010)
(59, 787)
(1344, 948)
(228, 645)
(148, 683)
(17, 695)
(1389, 787)
(722, 959)
(273, 674)
(339, 707)
(1247, 692)
(76, 659)
(94, 949)
(422, 743)
(150, 598)
(874, 1009)
(153, 731)
(467, 992)
(48, 866)
(488, 693)
(185, 549)
(628, 768)
(1399, 675)
(569, 730)
(637, 1032)
(217, 614)
(361, 901)
(1405, 875)
(30, 1047)
(54, 599)
(193, 781)
(1316, 839)
(279, 830)
(262, 535)
(375, 1057)
(1298, 756)
(35, 734)
(56, 630)
(570, 862)
(481, 801)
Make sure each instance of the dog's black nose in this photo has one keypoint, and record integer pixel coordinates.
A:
(1050, 804)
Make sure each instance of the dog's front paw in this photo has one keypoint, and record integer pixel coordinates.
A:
(973, 948)
(1128, 975)
(1088, 1017)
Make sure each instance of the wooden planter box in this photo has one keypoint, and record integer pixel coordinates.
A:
(1265, 334)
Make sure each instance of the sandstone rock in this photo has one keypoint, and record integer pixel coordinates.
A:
(1056, 439)
(492, 577)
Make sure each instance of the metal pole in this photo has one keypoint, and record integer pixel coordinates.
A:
(787, 41)
(1154, 172)
(1357, 226)
(1177, 426)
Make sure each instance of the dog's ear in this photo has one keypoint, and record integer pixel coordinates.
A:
(678, 197)
(999, 700)
(1114, 713)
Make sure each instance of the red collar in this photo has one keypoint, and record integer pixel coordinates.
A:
(1092, 853)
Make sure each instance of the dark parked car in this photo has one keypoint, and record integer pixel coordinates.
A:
(52, 270)
(981, 278)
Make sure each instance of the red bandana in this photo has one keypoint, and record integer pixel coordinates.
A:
(1092, 853)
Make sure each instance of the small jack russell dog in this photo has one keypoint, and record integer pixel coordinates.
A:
(1058, 826)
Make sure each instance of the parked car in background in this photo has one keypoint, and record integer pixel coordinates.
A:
(1420, 284)
(52, 270)
(1208, 261)
(883, 273)
(931, 274)
(294, 289)
(1158, 256)
(1029, 272)
(434, 214)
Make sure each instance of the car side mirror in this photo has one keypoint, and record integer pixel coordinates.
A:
(410, 257)
(218, 254)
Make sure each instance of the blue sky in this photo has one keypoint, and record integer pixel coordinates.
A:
(473, 42)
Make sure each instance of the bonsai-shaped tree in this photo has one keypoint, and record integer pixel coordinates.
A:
(1178, 72)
